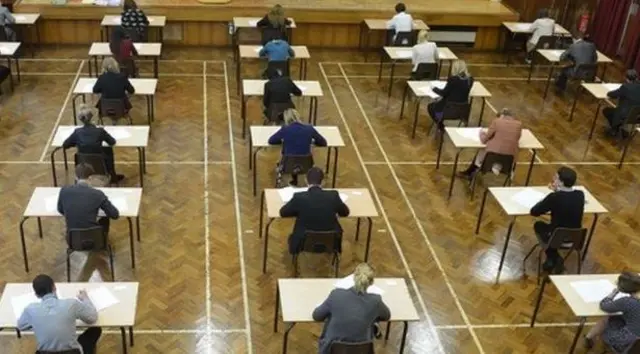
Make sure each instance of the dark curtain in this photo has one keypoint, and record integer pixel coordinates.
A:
(608, 24)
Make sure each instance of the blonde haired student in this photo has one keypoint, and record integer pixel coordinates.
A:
(423, 52)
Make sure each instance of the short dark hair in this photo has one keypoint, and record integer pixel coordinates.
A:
(401, 7)
(567, 176)
(629, 282)
(632, 75)
(315, 176)
(543, 13)
(84, 171)
(42, 285)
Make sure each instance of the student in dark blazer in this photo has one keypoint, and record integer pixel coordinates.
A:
(89, 138)
(566, 206)
(583, 51)
(350, 314)
(457, 89)
(274, 25)
(80, 203)
(628, 96)
(111, 84)
(278, 90)
(314, 210)
(296, 138)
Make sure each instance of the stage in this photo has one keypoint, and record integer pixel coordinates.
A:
(324, 23)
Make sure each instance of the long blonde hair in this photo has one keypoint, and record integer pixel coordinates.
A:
(459, 68)
(276, 16)
(423, 36)
(110, 65)
(291, 116)
(363, 277)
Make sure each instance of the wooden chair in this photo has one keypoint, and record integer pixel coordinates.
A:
(97, 162)
(561, 239)
(459, 111)
(293, 165)
(90, 239)
(351, 348)
(115, 110)
(425, 71)
(321, 242)
(491, 158)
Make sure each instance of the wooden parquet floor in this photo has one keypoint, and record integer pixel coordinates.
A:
(199, 262)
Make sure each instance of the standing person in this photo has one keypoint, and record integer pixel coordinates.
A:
(134, 20)
(628, 96)
(621, 329)
(111, 84)
(582, 52)
(423, 52)
(123, 50)
(274, 25)
(502, 137)
(400, 22)
(351, 315)
(544, 25)
(566, 206)
(53, 320)
(7, 19)
(457, 90)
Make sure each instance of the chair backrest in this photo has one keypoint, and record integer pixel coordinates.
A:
(563, 236)
(403, 39)
(586, 72)
(633, 117)
(321, 241)
(90, 239)
(112, 108)
(546, 42)
(96, 161)
(633, 348)
(493, 158)
(296, 164)
(351, 348)
(425, 71)
(456, 111)
(69, 351)
(282, 65)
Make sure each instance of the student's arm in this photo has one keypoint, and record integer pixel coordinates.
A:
(295, 90)
(342, 208)
(84, 310)
(491, 131)
(9, 17)
(266, 95)
(292, 54)
(436, 54)
(414, 55)
(447, 88)
(290, 209)
(534, 26)
(383, 311)
(97, 87)
(318, 140)
(616, 93)
(263, 51)
(323, 310)
(567, 54)
(109, 210)
(277, 137)
(264, 22)
(391, 24)
(128, 87)
(134, 51)
(609, 305)
(543, 206)
(24, 322)
(106, 137)
(59, 206)
(71, 141)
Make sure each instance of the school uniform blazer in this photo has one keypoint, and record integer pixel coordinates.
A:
(113, 86)
(457, 89)
(80, 203)
(88, 139)
(628, 96)
(279, 90)
(503, 136)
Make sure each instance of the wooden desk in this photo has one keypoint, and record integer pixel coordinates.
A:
(120, 315)
(515, 29)
(505, 198)
(255, 88)
(599, 91)
(359, 201)
(405, 54)
(259, 138)
(8, 50)
(422, 89)
(251, 52)
(252, 22)
(142, 87)
(157, 22)
(44, 203)
(27, 20)
(553, 56)
(299, 297)
(369, 25)
(126, 136)
(99, 49)
(469, 138)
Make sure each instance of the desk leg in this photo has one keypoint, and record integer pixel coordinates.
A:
(380, 68)
(531, 67)
(24, 244)
(140, 167)
(357, 229)
(39, 226)
(506, 244)
(453, 173)
(484, 200)
(65, 159)
(286, 337)
(261, 214)
(277, 311)
(243, 115)
(131, 245)
(238, 69)
(533, 159)
(604, 71)
(578, 332)
(393, 69)
(595, 118)
(416, 114)
(624, 150)
(53, 167)
(335, 167)
(539, 300)
(366, 250)
(387, 331)
(131, 336)
(144, 160)
(575, 102)
(546, 89)
(155, 67)
(314, 111)
(123, 335)
(439, 148)
(74, 107)
(255, 170)
(266, 246)
(591, 231)
(484, 102)
(367, 45)
(138, 228)
(326, 167)
(18, 68)
(404, 98)
(405, 328)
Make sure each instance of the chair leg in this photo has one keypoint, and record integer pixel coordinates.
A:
(295, 265)
(524, 261)
(474, 180)
(68, 266)
(539, 264)
(336, 261)
(113, 271)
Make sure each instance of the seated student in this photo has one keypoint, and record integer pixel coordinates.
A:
(123, 50)
(6, 19)
(274, 25)
(628, 96)
(583, 51)
(80, 203)
(622, 329)
(351, 314)
(502, 137)
(278, 90)
(111, 84)
(296, 138)
(53, 320)
(457, 89)
(314, 210)
(423, 52)
(89, 138)
(134, 20)
(566, 206)
(277, 50)
(543, 26)
(400, 22)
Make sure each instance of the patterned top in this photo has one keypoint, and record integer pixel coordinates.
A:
(134, 19)
(621, 330)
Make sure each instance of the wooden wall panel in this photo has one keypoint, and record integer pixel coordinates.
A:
(487, 38)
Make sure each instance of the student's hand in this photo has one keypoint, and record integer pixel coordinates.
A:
(82, 295)
(552, 186)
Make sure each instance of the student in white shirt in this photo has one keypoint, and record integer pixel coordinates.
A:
(543, 26)
(423, 52)
(400, 22)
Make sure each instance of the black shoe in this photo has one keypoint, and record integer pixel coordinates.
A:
(588, 342)
(293, 183)
(559, 268)
(548, 265)
(117, 178)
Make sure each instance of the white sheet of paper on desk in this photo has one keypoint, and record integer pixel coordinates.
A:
(403, 53)
(51, 203)
(4, 50)
(344, 197)
(593, 290)
(102, 298)
(119, 203)
(439, 84)
(287, 193)
(612, 87)
(348, 282)
(527, 197)
(470, 133)
(20, 18)
(253, 23)
(426, 90)
(88, 87)
(523, 27)
(620, 296)
(19, 303)
(258, 49)
(120, 134)
(115, 20)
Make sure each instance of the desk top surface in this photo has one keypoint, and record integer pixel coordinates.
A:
(252, 22)
(260, 135)
(470, 138)
(358, 200)
(405, 53)
(251, 51)
(44, 201)
(114, 20)
(523, 27)
(144, 49)
(553, 55)
(26, 18)
(141, 86)
(571, 286)
(381, 24)
(600, 90)
(256, 87)
(126, 136)
(424, 88)
(9, 48)
(517, 201)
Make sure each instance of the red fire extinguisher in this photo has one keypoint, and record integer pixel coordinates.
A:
(583, 23)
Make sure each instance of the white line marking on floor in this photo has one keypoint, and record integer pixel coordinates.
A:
(207, 228)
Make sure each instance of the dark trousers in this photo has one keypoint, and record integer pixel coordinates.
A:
(543, 230)
(89, 338)
(434, 112)
(104, 222)
(109, 160)
(610, 114)
(561, 80)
